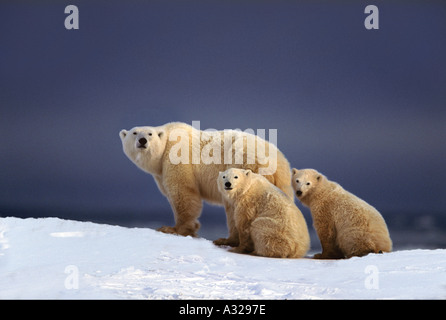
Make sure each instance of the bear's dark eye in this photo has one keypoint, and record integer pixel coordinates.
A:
(150, 134)
(236, 177)
(308, 183)
(297, 181)
(134, 133)
(224, 177)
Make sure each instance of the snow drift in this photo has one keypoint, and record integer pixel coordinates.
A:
(50, 258)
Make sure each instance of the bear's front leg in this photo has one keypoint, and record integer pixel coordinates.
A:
(243, 225)
(233, 238)
(246, 245)
(326, 231)
(186, 204)
(329, 251)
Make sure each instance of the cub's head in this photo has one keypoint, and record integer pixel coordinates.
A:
(144, 145)
(234, 181)
(304, 181)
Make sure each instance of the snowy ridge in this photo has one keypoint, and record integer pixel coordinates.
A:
(50, 258)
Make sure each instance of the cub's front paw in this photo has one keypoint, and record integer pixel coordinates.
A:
(225, 242)
(166, 229)
(318, 256)
(237, 250)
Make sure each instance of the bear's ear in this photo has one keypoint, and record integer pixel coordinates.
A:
(294, 171)
(122, 134)
(318, 178)
(248, 172)
(160, 133)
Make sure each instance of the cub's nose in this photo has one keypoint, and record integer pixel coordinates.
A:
(298, 193)
(142, 141)
(228, 184)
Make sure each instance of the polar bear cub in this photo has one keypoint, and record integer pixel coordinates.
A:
(267, 220)
(346, 225)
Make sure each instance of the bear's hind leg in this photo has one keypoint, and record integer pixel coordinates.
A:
(267, 238)
(358, 245)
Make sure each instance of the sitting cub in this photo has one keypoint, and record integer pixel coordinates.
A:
(346, 225)
(267, 220)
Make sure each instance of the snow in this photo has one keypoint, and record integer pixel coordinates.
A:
(51, 258)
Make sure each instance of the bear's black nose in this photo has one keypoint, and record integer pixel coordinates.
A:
(298, 193)
(142, 141)
(227, 184)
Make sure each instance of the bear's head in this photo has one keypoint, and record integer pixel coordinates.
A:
(144, 146)
(234, 181)
(304, 181)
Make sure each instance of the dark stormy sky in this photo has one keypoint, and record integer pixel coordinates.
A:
(365, 107)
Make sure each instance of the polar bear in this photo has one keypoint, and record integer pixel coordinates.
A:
(268, 222)
(185, 163)
(346, 225)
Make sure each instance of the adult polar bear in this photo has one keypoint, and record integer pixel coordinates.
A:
(185, 163)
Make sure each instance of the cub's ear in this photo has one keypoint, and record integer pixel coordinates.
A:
(248, 172)
(160, 133)
(122, 134)
(294, 171)
(318, 178)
